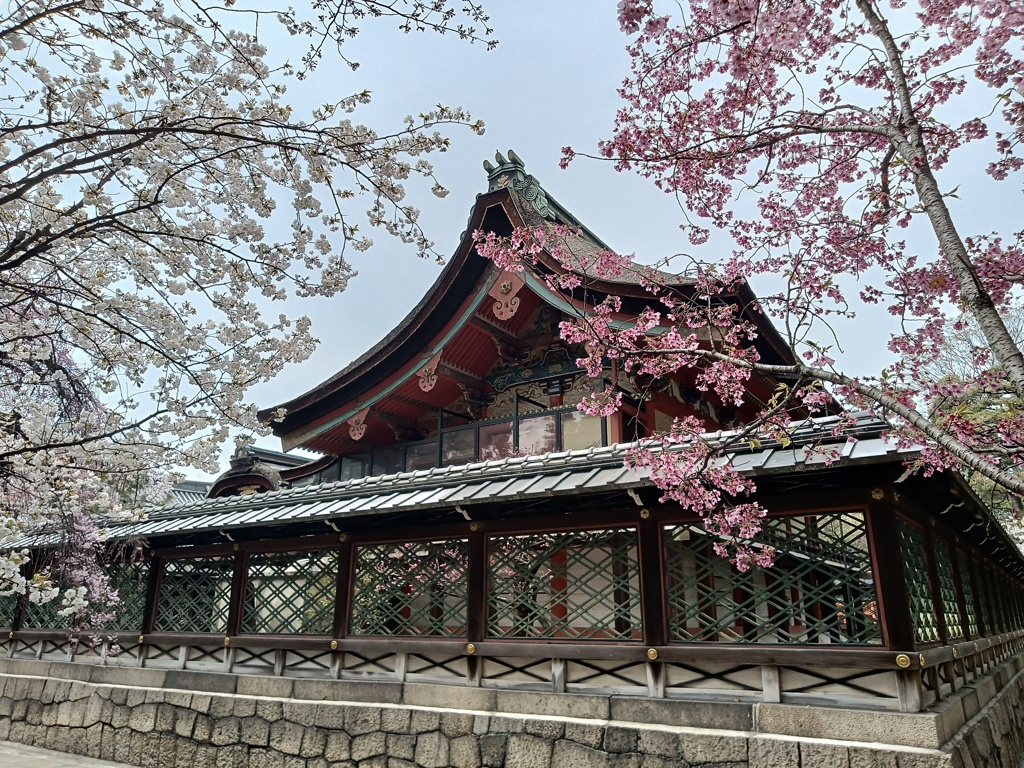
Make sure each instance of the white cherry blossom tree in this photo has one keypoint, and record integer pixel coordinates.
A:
(157, 195)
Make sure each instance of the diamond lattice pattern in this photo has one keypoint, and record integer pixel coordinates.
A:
(820, 590)
(947, 590)
(291, 592)
(416, 588)
(129, 579)
(8, 610)
(45, 615)
(969, 603)
(581, 584)
(195, 595)
(919, 588)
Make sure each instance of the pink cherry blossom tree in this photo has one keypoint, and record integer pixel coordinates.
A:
(158, 194)
(807, 141)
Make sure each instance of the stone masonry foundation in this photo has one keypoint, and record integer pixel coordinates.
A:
(185, 719)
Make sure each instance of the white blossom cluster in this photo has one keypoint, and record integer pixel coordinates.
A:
(157, 193)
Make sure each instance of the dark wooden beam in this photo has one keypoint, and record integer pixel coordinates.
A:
(494, 330)
(343, 588)
(890, 578)
(238, 588)
(476, 600)
(652, 580)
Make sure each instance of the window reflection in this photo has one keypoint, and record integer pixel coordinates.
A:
(563, 430)
(458, 447)
(537, 435)
(580, 431)
(421, 456)
(496, 441)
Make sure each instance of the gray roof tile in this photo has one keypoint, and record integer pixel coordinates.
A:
(553, 474)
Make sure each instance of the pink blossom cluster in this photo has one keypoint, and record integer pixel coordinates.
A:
(813, 137)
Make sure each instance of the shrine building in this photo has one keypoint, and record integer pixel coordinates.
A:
(471, 545)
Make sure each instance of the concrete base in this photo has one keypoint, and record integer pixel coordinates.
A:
(186, 719)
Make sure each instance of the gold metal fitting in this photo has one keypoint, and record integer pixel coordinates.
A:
(343, 538)
(227, 641)
(234, 547)
(877, 494)
(955, 654)
(652, 654)
(903, 661)
(334, 645)
(10, 636)
(474, 527)
(470, 649)
(975, 647)
(921, 659)
(142, 639)
(644, 514)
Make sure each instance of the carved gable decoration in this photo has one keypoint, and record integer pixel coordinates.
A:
(428, 373)
(504, 290)
(357, 424)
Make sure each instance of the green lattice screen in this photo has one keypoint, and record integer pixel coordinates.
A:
(947, 590)
(8, 610)
(130, 581)
(989, 609)
(981, 597)
(820, 590)
(195, 595)
(995, 584)
(580, 584)
(291, 592)
(416, 588)
(919, 589)
(969, 602)
(45, 615)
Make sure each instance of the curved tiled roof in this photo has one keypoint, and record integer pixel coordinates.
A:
(514, 200)
(511, 479)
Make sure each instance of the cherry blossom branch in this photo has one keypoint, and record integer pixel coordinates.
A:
(962, 452)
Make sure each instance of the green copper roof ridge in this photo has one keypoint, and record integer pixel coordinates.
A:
(510, 173)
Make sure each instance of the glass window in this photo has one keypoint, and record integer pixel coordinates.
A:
(580, 431)
(537, 435)
(291, 592)
(495, 441)
(195, 595)
(387, 461)
(421, 455)
(330, 474)
(353, 467)
(458, 447)
(821, 588)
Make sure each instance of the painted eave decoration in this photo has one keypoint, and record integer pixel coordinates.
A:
(478, 331)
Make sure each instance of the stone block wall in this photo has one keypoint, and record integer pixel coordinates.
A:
(168, 719)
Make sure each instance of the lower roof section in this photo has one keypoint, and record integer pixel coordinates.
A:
(510, 480)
